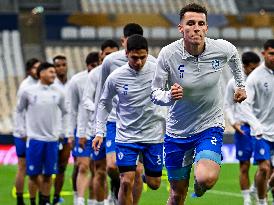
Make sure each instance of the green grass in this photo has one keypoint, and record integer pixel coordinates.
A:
(225, 192)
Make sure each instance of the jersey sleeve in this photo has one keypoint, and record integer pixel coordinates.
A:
(21, 107)
(105, 105)
(63, 105)
(229, 102)
(159, 95)
(73, 97)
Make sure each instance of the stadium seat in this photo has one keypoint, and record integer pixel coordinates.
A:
(213, 32)
(230, 33)
(105, 32)
(69, 32)
(174, 33)
(247, 33)
(159, 33)
(264, 33)
(87, 32)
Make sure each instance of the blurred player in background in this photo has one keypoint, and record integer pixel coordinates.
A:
(192, 66)
(86, 127)
(19, 140)
(42, 128)
(61, 81)
(243, 140)
(110, 63)
(81, 152)
(138, 127)
(260, 102)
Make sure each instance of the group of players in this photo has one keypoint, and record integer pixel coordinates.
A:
(127, 113)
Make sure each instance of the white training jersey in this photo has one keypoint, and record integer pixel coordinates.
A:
(64, 87)
(110, 63)
(42, 104)
(137, 119)
(28, 81)
(87, 125)
(260, 101)
(202, 104)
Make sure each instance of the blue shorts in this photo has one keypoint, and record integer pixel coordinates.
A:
(263, 150)
(179, 153)
(101, 154)
(244, 144)
(41, 157)
(79, 151)
(20, 146)
(127, 157)
(110, 137)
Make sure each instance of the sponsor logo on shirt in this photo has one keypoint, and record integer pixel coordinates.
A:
(215, 64)
(181, 70)
(125, 89)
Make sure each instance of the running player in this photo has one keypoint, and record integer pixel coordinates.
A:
(20, 141)
(259, 86)
(192, 66)
(139, 129)
(110, 63)
(243, 140)
(61, 81)
(80, 152)
(42, 128)
(99, 158)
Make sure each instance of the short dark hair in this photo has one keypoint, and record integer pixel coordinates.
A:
(269, 44)
(92, 57)
(193, 7)
(136, 42)
(250, 57)
(30, 63)
(109, 43)
(59, 57)
(131, 29)
(44, 66)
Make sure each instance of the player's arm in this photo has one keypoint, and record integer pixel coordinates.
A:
(21, 107)
(229, 103)
(103, 111)
(235, 64)
(64, 107)
(256, 127)
(159, 94)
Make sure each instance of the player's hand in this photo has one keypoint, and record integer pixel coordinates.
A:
(71, 142)
(96, 143)
(239, 95)
(237, 127)
(82, 142)
(176, 91)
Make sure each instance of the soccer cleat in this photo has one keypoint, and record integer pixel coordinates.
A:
(253, 193)
(247, 202)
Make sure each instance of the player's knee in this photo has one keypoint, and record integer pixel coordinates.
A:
(83, 168)
(101, 176)
(126, 184)
(264, 168)
(154, 184)
(207, 180)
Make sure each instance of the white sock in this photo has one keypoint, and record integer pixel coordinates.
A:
(91, 202)
(106, 202)
(74, 198)
(80, 201)
(99, 202)
(246, 195)
(253, 188)
(262, 202)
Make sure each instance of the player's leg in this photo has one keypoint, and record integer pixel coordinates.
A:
(20, 146)
(63, 157)
(100, 177)
(112, 169)
(262, 157)
(91, 198)
(83, 163)
(138, 183)
(73, 179)
(244, 150)
(178, 162)
(34, 166)
(127, 155)
(207, 159)
(153, 163)
(50, 167)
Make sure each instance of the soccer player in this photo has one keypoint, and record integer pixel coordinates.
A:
(61, 81)
(139, 129)
(42, 128)
(110, 63)
(192, 67)
(243, 140)
(260, 98)
(99, 158)
(20, 141)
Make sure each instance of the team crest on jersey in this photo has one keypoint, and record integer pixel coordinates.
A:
(181, 70)
(120, 155)
(125, 89)
(215, 64)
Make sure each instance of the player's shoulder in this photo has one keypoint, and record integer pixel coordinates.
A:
(151, 59)
(77, 75)
(256, 74)
(171, 48)
(114, 56)
(218, 45)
